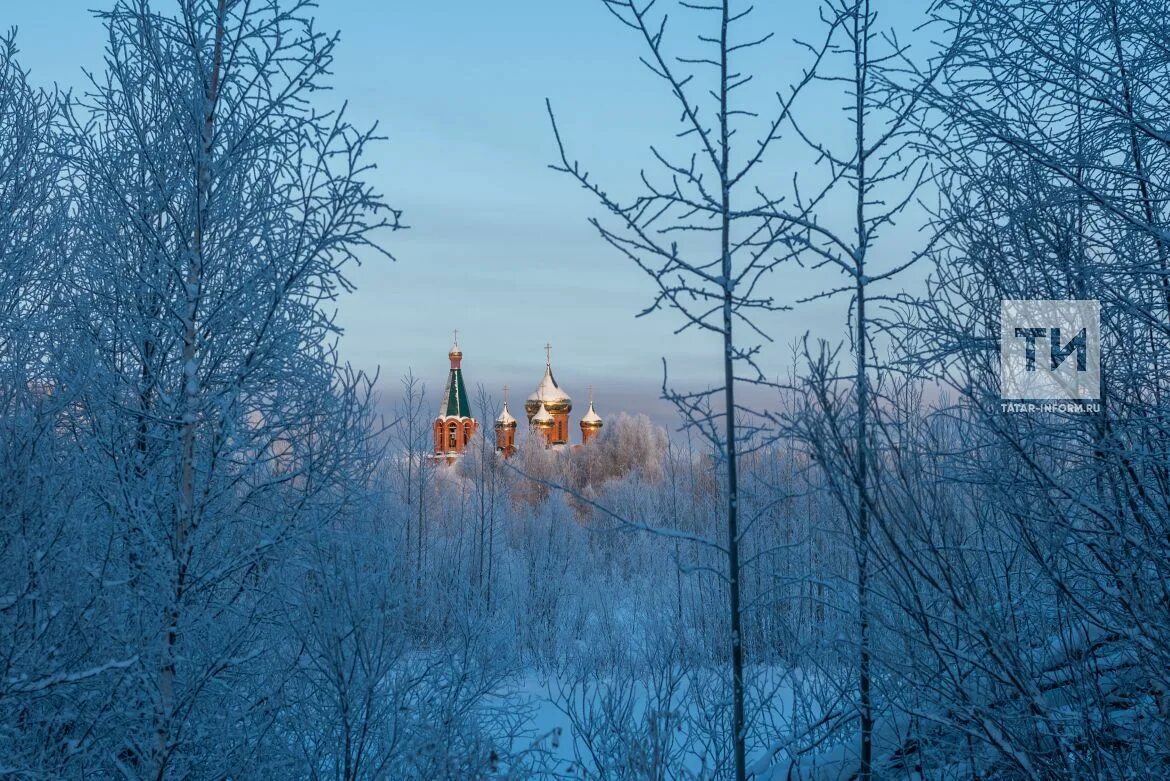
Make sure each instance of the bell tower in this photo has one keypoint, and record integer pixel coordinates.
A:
(454, 426)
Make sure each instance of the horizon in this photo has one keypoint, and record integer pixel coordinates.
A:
(500, 238)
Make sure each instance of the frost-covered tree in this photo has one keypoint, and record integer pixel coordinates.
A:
(872, 175)
(411, 448)
(1029, 654)
(491, 485)
(222, 205)
(1051, 109)
(694, 228)
(33, 228)
(51, 557)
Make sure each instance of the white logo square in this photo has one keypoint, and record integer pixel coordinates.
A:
(1050, 349)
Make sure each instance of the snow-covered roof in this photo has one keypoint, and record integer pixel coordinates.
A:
(505, 418)
(548, 390)
(542, 415)
(591, 417)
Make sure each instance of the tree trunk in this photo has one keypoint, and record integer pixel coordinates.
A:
(186, 516)
(861, 19)
(733, 584)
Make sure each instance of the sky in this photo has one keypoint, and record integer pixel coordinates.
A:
(498, 245)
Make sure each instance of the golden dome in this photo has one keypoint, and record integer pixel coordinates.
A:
(551, 395)
(541, 418)
(505, 420)
(591, 419)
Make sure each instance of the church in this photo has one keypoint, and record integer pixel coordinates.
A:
(547, 409)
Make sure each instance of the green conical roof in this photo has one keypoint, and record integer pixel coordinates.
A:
(455, 397)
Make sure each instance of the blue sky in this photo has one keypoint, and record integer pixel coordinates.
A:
(499, 246)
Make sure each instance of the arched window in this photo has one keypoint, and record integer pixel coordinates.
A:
(452, 436)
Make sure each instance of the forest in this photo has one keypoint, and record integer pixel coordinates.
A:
(227, 553)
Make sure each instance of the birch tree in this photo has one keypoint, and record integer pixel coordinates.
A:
(52, 681)
(223, 206)
(1025, 631)
(413, 446)
(1057, 179)
(876, 174)
(698, 231)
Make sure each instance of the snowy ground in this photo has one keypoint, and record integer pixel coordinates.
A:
(568, 755)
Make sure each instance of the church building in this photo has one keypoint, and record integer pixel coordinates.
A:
(547, 410)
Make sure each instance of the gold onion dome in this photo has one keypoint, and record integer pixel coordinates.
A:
(542, 418)
(591, 419)
(505, 420)
(455, 352)
(550, 394)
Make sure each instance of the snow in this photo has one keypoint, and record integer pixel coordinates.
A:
(542, 415)
(548, 390)
(552, 698)
(265, 592)
(591, 416)
(505, 417)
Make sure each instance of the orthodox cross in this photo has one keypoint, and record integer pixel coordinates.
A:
(547, 354)
(456, 337)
